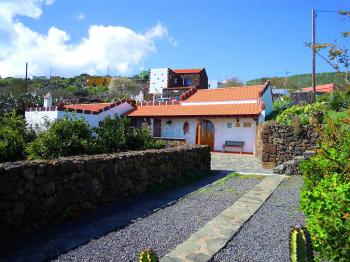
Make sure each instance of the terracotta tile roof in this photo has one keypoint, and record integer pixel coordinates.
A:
(95, 108)
(188, 71)
(196, 110)
(227, 94)
(327, 88)
(91, 107)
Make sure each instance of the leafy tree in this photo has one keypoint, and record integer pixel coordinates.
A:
(18, 103)
(97, 91)
(117, 134)
(64, 137)
(13, 137)
(111, 134)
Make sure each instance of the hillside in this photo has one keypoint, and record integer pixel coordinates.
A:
(299, 81)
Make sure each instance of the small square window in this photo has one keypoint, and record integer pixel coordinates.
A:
(238, 125)
(229, 125)
(247, 124)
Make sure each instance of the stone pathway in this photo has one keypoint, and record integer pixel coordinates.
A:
(207, 241)
(265, 237)
(239, 163)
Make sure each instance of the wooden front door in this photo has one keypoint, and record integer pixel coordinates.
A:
(205, 133)
(157, 128)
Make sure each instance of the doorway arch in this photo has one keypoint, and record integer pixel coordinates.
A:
(205, 134)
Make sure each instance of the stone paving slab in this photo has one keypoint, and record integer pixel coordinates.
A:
(238, 163)
(208, 240)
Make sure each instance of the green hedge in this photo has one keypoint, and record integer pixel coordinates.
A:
(325, 197)
(71, 136)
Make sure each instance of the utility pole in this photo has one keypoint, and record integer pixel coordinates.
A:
(285, 80)
(313, 55)
(26, 86)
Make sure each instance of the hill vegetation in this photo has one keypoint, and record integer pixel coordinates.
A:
(296, 82)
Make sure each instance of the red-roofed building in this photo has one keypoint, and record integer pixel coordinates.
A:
(213, 117)
(210, 116)
(327, 88)
(169, 83)
(93, 114)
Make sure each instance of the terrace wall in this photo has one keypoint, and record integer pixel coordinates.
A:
(279, 143)
(38, 194)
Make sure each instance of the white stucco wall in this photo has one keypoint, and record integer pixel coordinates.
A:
(222, 133)
(37, 119)
(158, 80)
(267, 98)
(229, 102)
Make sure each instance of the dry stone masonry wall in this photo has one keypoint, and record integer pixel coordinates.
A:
(36, 194)
(279, 143)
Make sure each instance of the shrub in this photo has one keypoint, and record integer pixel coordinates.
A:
(302, 111)
(111, 134)
(279, 106)
(13, 136)
(116, 134)
(142, 139)
(328, 217)
(65, 137)
(338, 101)
(325, 197)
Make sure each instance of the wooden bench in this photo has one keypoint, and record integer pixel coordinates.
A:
(233, 144)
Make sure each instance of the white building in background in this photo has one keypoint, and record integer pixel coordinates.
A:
(158, 80)
(93, 114)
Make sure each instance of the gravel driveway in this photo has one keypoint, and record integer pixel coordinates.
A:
(265, 237)
(166, 228)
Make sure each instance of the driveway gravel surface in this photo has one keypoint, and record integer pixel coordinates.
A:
(265, 237)
(166, 228)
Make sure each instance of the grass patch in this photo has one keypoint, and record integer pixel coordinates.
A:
(222, 182)
(174, 182)
(337, 115)
(248, 176)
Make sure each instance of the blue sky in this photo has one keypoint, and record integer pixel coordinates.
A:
(245, 39)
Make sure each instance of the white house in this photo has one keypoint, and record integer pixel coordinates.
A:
(158, 80)
(93, 114)
(214, 117)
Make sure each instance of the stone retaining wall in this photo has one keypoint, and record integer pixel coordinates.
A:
(279, 143)
(37, 194)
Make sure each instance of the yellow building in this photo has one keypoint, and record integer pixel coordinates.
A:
(98, 80)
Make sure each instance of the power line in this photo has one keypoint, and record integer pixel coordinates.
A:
(326, 11)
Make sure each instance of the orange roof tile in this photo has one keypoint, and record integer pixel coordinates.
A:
(187, 71)
(327, 88)
(93, 107)
(227, 94)
(196, 110)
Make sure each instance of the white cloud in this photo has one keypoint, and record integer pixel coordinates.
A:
(118, 47)
(79, 16)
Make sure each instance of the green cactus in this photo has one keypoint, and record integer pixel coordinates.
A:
(300, 245)
(148, 255)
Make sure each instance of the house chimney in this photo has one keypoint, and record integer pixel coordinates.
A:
(48, 100)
